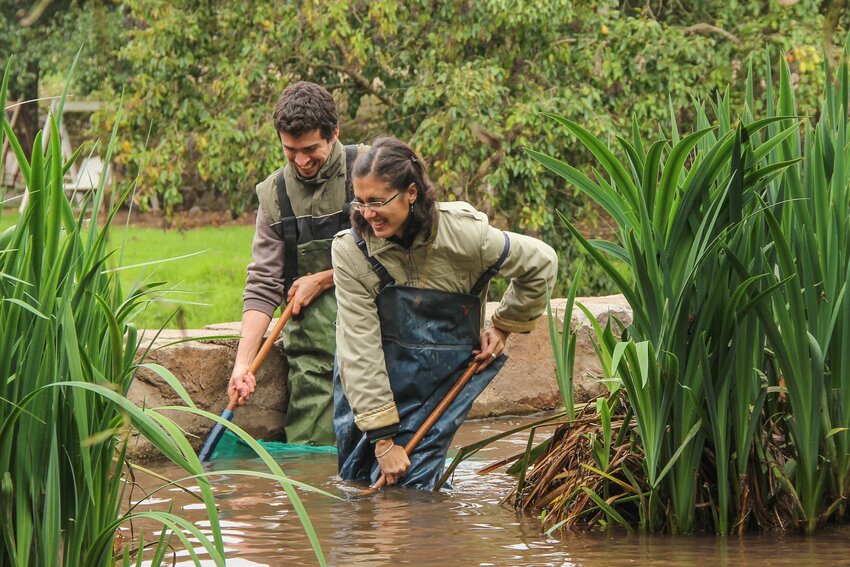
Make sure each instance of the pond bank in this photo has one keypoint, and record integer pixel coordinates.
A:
(526, 385)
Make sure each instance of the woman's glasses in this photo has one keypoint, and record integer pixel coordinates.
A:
(360, 206)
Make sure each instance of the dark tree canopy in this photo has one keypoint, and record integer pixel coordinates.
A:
(464, 82)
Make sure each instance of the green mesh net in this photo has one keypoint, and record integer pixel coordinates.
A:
(232, 447)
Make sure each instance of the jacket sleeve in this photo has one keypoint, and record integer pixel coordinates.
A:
(531, 267)
(264, 284)
(360, 356)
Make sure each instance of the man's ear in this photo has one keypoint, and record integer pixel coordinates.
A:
(335, 135)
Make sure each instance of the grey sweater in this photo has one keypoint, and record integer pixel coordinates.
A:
(264, 284)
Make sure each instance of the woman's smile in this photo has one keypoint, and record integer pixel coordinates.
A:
(386, 208)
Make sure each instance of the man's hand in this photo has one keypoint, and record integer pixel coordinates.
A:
(242, 384)
(307, 288)
(392, 459)
(493, 342)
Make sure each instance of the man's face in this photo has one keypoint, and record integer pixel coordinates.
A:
(308, 152)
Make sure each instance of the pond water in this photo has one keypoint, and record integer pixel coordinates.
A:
(467, 526)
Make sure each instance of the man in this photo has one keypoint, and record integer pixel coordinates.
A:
(302, 206)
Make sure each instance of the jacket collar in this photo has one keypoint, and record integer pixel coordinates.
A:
(331, 168)
(377, 245)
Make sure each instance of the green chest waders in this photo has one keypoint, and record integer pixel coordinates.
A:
(309, 345)
(309, 340)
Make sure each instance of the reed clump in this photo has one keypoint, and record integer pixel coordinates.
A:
(68, 356)
(729, 392)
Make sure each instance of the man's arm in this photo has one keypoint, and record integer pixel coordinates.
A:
(254, 325)
(263, 293)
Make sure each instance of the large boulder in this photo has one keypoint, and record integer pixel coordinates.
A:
(203, 367)
(525, 385)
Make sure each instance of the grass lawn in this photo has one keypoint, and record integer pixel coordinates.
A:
(7, 218)
(214, 277)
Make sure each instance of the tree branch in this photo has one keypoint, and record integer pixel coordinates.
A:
(358, 77)
(34, 14)
(708, 29)
(834, 9)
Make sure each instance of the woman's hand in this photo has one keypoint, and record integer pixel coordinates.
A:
(392, 459)
(493, 342)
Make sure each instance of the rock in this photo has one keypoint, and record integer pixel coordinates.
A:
(527, 383)
(203, 368)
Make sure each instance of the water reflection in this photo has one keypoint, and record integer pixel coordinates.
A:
(464, 527)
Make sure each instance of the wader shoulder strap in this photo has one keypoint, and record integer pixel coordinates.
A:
(379, 269)
(492, 270)
(288, 231)
(288, 227)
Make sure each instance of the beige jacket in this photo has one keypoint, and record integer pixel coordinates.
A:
(463, 245)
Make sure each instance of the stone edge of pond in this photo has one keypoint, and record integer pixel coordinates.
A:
(526, 384)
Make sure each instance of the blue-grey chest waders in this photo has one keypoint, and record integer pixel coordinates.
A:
(428, 337)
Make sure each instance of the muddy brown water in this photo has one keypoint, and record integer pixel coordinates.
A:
(466, 526)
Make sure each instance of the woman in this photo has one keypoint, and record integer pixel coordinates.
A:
(411, 280)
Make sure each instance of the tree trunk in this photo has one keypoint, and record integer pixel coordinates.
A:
(28, 122)
(832, 14)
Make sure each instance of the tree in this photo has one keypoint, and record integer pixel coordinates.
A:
(465, 82)
(27, 39)
(43, 37)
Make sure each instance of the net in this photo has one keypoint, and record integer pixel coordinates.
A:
(232, 447)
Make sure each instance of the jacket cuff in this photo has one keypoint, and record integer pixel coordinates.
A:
(387, 432)
(259, 305)
(384, 416)
(513, 326)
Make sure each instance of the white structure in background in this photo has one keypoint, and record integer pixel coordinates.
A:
(83, 177)
(87, 177)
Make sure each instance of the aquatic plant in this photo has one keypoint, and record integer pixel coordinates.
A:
(735, 366)
(564, 348)
(68, 356)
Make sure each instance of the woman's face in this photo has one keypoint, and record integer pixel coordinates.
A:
(384, 207)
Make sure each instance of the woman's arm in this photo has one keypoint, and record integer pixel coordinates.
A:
(360, 356)
(358, 341)
(531, 267)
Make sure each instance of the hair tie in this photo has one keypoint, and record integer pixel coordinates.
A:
(413, 158)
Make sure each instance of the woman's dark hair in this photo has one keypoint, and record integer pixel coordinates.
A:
(304, 107)
(393, 162)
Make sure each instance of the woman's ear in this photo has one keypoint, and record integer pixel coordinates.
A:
(412, 193)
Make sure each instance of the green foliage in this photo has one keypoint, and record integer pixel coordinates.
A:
(465, 83)
(42, 37)
(809, 225)
(564, 348)
(26, 42)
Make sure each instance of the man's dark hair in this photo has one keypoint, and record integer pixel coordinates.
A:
(304, 107)
(394, 162)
